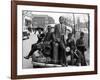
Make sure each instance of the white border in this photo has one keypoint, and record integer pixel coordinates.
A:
(21, 71)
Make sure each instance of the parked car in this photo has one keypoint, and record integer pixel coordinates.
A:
(26, 34)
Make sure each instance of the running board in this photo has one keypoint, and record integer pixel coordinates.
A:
(45, 64)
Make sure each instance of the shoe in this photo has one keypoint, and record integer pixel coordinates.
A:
(26, 57)
(64, 65)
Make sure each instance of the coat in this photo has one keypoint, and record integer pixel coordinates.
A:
(59, 32)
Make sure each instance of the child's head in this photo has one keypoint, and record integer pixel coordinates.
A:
(49, 28)
(81, 34)
(70, 35)
(61, 19)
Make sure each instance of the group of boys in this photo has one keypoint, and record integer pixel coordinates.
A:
(55, 44)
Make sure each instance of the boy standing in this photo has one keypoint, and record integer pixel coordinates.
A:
(81, 47)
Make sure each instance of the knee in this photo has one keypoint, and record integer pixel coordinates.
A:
(56, 44)
(33, 46)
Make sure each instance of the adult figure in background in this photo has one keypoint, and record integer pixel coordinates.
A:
(59, 42)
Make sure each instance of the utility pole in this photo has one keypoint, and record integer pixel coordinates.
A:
(74, 31)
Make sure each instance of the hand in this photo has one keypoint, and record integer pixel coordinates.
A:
(58, 40)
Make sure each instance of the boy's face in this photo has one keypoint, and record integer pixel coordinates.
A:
(69, 36)
(61, 20)
(82, 36)
(49, 29)
(40, 30)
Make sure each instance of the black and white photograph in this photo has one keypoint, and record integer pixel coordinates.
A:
(50, 39)
(55, 39)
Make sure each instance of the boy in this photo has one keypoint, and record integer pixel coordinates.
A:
(70, 47)
(81, 47)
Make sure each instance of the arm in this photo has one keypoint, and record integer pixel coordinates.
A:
(53, 35)
(73, 45)
(65, 35)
